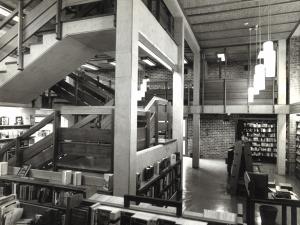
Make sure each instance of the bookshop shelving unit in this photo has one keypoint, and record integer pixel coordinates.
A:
(166, 185)
(39, 192)
(262, 136)
(297, 149)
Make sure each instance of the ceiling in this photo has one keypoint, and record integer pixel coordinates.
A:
(223, 25)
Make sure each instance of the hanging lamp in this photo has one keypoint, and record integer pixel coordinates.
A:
(250, 84)
(269, 52)
(256, 77)
(260, 68)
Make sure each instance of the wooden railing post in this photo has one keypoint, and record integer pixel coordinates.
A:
(20, 35)
(169, 118)
(58, 20)
(19, 153)
(156, 123)
(56, 126)
(112, 140)
(148, 127)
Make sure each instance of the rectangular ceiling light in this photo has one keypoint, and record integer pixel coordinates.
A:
(146, 49)
(6, 12)
(149, 62)
(90, 67)
(221, 56)
(112, 63)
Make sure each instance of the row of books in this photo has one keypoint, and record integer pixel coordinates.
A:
(166, 186)
(261, 130)
(260, 125)
(261, 135)
(261, 139)
(27, 192)
(264, 154)
(263, 144)
(262, 149)
(105, 215)
(156, 168)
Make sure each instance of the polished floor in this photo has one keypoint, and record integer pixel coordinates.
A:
(206, 187)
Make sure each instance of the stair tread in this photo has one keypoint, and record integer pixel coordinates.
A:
(11, 62)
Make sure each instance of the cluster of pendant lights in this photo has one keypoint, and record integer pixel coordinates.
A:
(265, 69)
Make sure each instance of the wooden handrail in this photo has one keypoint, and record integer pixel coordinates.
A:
(87, 110)
(37, 127)
(154, 101)
(14, 13)
(28, 133)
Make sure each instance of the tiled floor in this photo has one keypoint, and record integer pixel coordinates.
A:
(205, 188)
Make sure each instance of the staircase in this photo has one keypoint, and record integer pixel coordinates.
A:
(50, 60)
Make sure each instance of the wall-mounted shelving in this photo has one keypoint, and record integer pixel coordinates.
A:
(165, 185)
(262, 136)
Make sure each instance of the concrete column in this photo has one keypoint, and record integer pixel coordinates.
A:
(178, 86)
(281, 119)
(196, 116)
(125, 100)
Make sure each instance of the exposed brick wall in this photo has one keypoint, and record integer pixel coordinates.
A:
(217, 135)
(294, 96)
(234, 70)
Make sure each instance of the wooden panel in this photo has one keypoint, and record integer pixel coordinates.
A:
(85, 121)
(141, 133)
(141, 144)
(40, 159)
(85, 135)
(162, 126)
(86, 149)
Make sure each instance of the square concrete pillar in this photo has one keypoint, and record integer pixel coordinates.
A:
(196, 116)
(281, 119)
(125, 130)
(178, 85)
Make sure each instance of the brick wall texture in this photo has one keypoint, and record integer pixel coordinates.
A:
(294, 96)
(234, 70)
(217, 135)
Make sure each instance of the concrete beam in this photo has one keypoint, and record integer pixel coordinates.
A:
(151, 30)
(176, 11)
(239, 109)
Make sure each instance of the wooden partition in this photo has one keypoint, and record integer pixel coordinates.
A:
(154, 123)
(85, 148)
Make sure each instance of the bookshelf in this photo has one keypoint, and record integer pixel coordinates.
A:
(39, 191)
(297, 171)
(165, 185)
(262, 136)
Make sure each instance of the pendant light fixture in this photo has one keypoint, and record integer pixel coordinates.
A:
(260, 68)
(250, 81)
(269, 52)
(256, 69)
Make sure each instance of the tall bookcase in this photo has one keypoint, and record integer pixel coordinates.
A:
(297, 171)
(262, 136)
